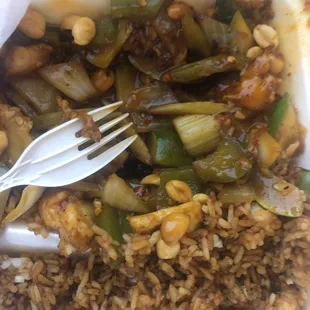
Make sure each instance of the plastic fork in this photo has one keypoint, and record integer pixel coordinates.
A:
(57, 159)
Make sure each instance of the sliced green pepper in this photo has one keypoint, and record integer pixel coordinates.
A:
(132, 9)
(216, 31)
(106, 31)
(195, 37)
(185, 174)
(148, 96)
(276, 195)
(225, 10)
(228, 164)
(50, 120)
(304, 183)
(283, 123)
(105, 57)
(204, 68)
(146, 65)
(115, 223)
(109, 221)
(13, 97)
(125, 81)
(243, 34)
(167, 149)
(41, 95)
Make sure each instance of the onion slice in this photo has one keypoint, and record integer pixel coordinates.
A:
(31, 194)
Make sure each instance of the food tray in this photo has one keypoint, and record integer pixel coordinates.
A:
(293, 26)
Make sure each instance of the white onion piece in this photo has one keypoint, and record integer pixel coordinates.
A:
(31, 194)
(200, 6)
(54, 11)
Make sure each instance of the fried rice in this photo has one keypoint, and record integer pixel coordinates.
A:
(238, 259)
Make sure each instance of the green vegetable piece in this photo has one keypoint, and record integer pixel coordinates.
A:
(195, 37)
(106, 31)
(71, 79)
(50, 120)
(283, 123)
(204, 68)
(167, 149)
(200, 134)
(124, 224)
(115, 223)
(147, 66)
(151, 95)
(225, 10)
(117, 194)
(125, 81)
(228, 164)
(109, 221)
(106, 56)
(243, 34)
(216, 31)
(304, 183)
(132, 10)
(15, 99)
(237, 193)
(187, 108)
(41, 95)
(138, 147)
(185, 174)
(276, 195)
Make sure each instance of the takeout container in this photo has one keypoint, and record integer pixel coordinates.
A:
(293, 26)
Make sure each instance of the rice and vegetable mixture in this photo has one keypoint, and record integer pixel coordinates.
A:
(207, 209)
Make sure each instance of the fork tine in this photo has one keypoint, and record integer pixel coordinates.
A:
(60, 137)
(79, 141)
(85, 167)
(75, 154)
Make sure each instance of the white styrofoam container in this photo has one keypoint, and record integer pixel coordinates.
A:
(293, 26)
(292, 23)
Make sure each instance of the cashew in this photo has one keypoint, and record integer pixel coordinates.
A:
(254, 52)
(265, 36)
(179, 191)
(165, 251)
(152, 179)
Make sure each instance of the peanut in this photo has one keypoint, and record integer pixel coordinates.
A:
(179, 191)
(265, 36)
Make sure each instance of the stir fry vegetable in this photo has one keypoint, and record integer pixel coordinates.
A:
(200, 81)
(199, 133)
(227, 164)
(71, 79)
(276, 195)
(166, 148)
(204, 68)
(104, 58)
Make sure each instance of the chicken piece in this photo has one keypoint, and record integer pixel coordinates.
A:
(72, 217)
(20, 59)
(256, 89)
(90, 128)
(15, 131)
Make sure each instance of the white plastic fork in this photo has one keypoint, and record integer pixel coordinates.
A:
(54, 159)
